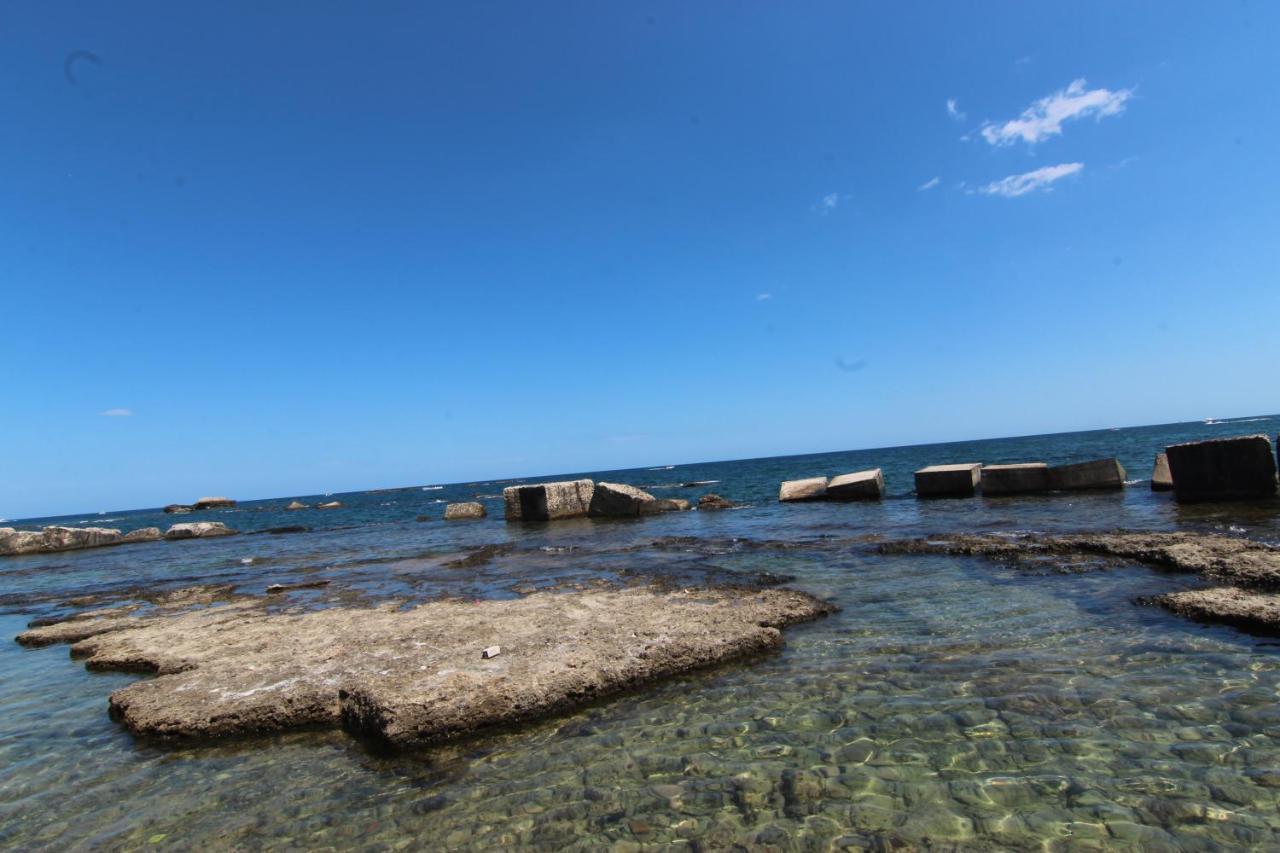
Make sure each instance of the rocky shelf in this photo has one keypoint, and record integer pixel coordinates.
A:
(406, 677)
(1246, 573)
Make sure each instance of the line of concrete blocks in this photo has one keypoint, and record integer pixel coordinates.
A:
(1221, 469)
(1021, 478)
(580, 499)
(859, 486)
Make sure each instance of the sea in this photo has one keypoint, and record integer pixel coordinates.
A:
(951, 703)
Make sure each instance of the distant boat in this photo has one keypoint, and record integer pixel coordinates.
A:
(1212, 421)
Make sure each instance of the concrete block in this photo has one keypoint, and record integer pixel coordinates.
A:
(1161, 479)
(859, 486)
(1097, 474)
(812, 489)
(618, 500)
(937, 481)
(468, 509)
(548, 501)
(1019, 478)
(1223, 469)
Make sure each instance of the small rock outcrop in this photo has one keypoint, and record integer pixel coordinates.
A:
(661, 505)
(858, 486)
(548, 501)
(715, 502)
(213, 503)
(296, 505)
(811, 489)
(178, 509)
(1223, 469)
(1161, 479)
(1019, 478)
(406, 677)
(1082, 476)
(330, 505)
(465, 510)
(948, 481)
(143, 534)
(198, 530)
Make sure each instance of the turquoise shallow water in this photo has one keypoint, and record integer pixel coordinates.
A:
(951, 703)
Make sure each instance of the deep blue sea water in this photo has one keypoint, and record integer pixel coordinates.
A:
(951, 702)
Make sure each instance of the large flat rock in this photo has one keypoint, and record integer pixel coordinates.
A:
(1253, 611)
(958, 480)
(548, 501)
(1223, 469)
(1080, 476)
(858, 486)
(415, 676)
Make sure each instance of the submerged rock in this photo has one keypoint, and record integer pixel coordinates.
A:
(1225, 558)
(466, 510)
(407, 677)
(1252, 611)
(715, 502)
(660, 505)
(198, 529)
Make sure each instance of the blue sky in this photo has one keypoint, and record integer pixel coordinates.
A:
(317, 247)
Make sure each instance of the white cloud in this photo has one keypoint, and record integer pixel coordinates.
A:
(117, 413)
(761, 297)
(1044, 118)
(929, 184)
(953, 110)
(828, 203)
(1041, 179)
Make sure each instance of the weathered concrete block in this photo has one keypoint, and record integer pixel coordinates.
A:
(548, 501)
(812, 489)
(617, 500)
(1019, 478)
(938, 481)
(1097, 474)
(469, 509)
(1161, 479)
(20, 541)
(859, 486)
(143, 534)
(1223, 469)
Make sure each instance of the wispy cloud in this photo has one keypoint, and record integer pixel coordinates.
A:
(1040, 179)
(1045, 117)
(929, 184)
(761, 297)
(117, 413)
(828, 203)
(953, 110)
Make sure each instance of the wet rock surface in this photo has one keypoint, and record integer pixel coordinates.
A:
(1258, 612)
(411, 676)
(1240, 561)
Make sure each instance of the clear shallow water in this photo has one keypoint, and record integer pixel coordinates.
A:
(952, 701)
